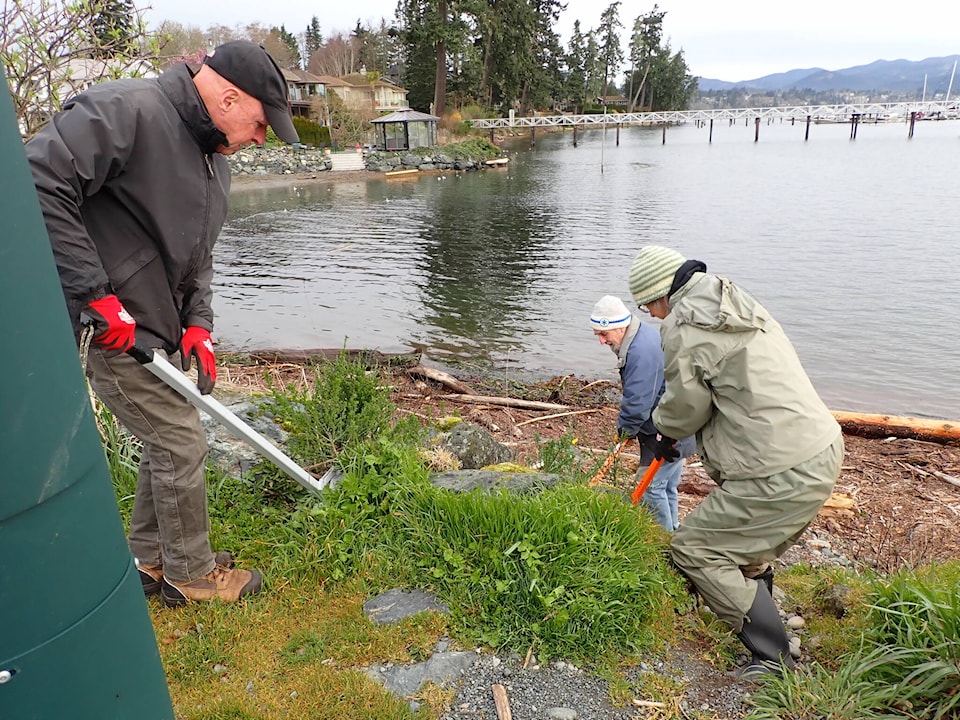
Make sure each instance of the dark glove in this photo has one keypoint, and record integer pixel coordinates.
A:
(113, 325)
(623, 434)
(196, 343)
(666, 449)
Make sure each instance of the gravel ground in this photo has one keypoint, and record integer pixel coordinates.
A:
(561, 691)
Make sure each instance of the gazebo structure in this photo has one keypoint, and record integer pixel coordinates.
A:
(406, 129)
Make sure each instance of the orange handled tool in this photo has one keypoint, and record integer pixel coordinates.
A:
(595, 480)
(646, 480)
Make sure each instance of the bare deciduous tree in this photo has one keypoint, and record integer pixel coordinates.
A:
(51, 50)
(337, 57)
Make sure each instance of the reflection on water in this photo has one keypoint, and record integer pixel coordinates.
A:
(845, 241)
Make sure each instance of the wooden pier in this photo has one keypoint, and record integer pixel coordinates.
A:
(854, 114)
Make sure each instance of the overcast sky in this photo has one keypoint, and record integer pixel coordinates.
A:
(721, 40)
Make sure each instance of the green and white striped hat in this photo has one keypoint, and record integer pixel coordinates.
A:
(652, 273)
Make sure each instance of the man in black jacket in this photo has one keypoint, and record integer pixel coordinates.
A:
(133, 186)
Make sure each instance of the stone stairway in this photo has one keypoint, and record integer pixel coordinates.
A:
(350, 160)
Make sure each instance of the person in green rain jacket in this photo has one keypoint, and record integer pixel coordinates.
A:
(763, 434)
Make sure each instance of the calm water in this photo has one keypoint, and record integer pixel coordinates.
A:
(850, 244)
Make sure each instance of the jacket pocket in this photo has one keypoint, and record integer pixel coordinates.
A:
(121, 273)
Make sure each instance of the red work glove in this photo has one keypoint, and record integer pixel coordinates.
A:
(196, 342)
(113, 324)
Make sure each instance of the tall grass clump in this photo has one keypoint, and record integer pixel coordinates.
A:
(907, 664)
(573, 572)
(122, 451)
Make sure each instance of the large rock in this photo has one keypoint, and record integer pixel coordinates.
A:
(443, 668)
(473, 446)
(395, 605)
(235, 457)
(492, 480)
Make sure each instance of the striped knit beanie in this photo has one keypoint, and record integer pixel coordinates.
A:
(652, 273)
(609, 314)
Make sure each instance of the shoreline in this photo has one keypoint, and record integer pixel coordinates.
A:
(241, 183)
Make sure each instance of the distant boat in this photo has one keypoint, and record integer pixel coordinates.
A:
(497, 161)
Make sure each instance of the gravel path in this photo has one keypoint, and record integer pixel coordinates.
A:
(561, 691)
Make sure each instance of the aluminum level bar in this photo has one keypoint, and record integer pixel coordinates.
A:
(162, 368)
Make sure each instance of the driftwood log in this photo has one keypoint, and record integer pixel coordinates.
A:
(507, 402)
(890, 425)
(445, 379)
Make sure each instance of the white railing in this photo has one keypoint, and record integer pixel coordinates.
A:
(821, 113)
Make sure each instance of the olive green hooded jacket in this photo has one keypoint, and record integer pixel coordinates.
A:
(734, 379)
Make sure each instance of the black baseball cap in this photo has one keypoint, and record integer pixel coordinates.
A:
(250, 67)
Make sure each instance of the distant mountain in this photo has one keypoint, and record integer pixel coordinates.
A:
(897, 76)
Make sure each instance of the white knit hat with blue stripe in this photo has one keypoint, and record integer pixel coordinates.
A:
(609, 314)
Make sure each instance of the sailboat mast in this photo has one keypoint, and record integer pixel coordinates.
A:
(950, 86)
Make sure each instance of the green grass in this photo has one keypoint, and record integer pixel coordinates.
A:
(569, 572)
(904, 661)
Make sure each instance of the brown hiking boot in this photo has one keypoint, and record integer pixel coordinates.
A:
(220, 583)
(152, 575)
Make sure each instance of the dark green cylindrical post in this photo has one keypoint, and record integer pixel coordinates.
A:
(75, 636)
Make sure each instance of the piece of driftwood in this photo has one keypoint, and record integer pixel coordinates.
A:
(445, 379)
(556, 415)
(370, 357)
(501, 702)
(950, 479)
(868, 425)
(507, 402)
(839, 505)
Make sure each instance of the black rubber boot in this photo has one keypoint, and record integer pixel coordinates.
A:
(764, 636)
(767, 578)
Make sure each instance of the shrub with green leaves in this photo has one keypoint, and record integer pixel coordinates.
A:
(343, 407)
(559, 456)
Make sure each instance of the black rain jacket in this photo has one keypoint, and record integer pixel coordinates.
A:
(134, 196)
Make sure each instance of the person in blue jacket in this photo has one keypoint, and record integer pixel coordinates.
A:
(637, 346)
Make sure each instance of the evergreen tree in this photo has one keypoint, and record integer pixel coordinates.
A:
(293, 60)
(114, 27)
(644, 44)
(575, 82)
(312, 39)
(594, 67)
(611, 54)
(431, 31)
(543, 84)
(659, 79)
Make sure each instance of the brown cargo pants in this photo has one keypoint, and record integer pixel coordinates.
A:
(170, 525)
